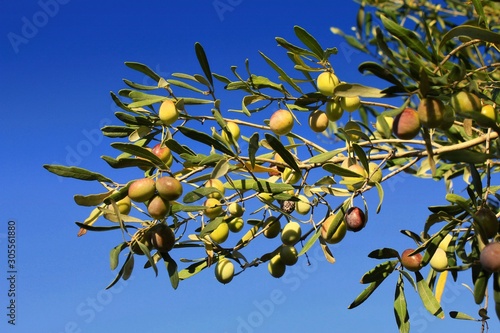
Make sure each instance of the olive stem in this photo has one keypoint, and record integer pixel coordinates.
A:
(464, 45)
(488, 166)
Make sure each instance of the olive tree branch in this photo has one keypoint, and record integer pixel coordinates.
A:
(455, 50)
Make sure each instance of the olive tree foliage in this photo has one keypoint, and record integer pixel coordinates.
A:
(245, 180)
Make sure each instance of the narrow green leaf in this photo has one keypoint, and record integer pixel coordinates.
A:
(355, 89)
(219, 119)
(141, 99)
(264, 186)
(192, 269)
(461, 244)
(147, 252)
(430, 302)
(199, 193)
(310, 242)
(127, 162)
(202, 59)
(388, 52)
(139, 151)
(91, 199)
(124, 92)
(75, 172)
(185, 76)
(433, 243)
(143, 69)
(465, 156)
(360, 18)
(293, 48)
(139, 133)
(201, 79)
(309, 41)
(379, 272)
(250, 99)
(408, 37)
(212, 159)
(471, 32)
(282, 151)
(184, 85)
(326, 251)
(118, 195)
(178, 148)
(93, 228)
(323, 157)
(253, 146)
(211, 226)
(476, 181)
(347, 134)
(281, 72)
(139, 86)
(118, 102)
(338, 170)
(351, 40)
(337, 220)
(115, 280)
(412, 235)
(400, 307)
(128, 266)
(117, 131)
(171, 266)
(176, 208)
(496, 287)
(240, 184)
(380, 72)
(451, 209)
(114, 255)
(195, 101)
(480, 11)
(423, 85)
(338, 192)
(221, 78)
(239, 85)
(354, 42)
(363, 296)
(133, 120)
(384, 253)
(261, 82)
(408, 277)
(380, 191)
(461, 315)
(459, 200)
(221, 168)
(194, 160)
(360, 153)
(205, 139)
(480, 286)
(111, 216)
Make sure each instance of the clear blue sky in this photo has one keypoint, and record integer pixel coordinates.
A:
(59, 61)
